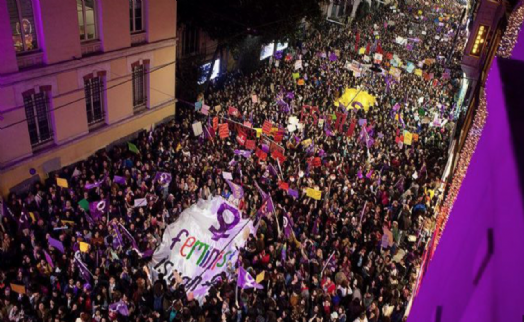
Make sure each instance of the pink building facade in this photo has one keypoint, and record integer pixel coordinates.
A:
(78, 75)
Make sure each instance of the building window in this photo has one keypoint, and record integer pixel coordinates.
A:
(86, 19)
(139, 85)
(94, 88)
(191, 40)
(22, 25)
(37, 115)
(136, 15)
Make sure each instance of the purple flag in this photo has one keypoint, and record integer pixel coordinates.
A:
(84, 271)
(362, 122)
(56, 244)
(370, 142)
(288, 225)
(265, 148)
(327, 130)
(118, 241)
(401, 120)
(120, 307)
(24, 222)
(244, 153)
(310, 148)
(284, 106)
(272, 170)
(97, 184)
(164, 178)
(237, 190)
(333, 57)
(359, 174)
(119, 180)
(293, 193)
(396, 107)
(48, 259)
(245, 280)
(97, 209)
(128, 235)
(266, 198)
(290, 95)
(363, 210)
(400, 184)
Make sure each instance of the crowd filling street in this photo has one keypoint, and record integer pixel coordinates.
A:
(352, 183)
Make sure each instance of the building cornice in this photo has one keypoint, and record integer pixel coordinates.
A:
(48, 70)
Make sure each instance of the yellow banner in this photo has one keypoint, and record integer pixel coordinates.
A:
(84, 247)
(313, 193)
(408, 138)
(62, 183)
(355, 98)
(261, 276)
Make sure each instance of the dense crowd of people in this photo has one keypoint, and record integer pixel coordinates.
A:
(336, 266)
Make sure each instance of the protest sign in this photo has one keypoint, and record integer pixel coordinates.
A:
(197, 128)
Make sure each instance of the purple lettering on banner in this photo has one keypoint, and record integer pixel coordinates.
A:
(220, 232)
(355, 104)
(177, 238)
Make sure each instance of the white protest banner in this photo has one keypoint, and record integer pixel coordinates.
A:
(293, 120)
(298, 65)
(400, 40)
(201, 245)
(197, 128)
(227, 175)
(377, 58)
(140, 202)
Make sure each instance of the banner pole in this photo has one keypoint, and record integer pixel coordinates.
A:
(325, 265)
(276, 219)
(236, 294)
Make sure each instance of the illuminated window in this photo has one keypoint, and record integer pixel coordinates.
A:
(37, 115)
(86, 19)
(22, 25)
(480, 40)
(136, 15)
(94, 88)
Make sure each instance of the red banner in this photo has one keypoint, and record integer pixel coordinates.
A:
(266, 128)
(250, 144)
(215, 123)
(223, 131)
(352, 128)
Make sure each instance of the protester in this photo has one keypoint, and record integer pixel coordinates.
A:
(79, 251)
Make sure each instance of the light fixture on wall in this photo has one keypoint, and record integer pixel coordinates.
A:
(480, 39)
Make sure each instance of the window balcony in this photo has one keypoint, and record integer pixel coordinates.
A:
(91, 47)
(138, 38)
(30, 59)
